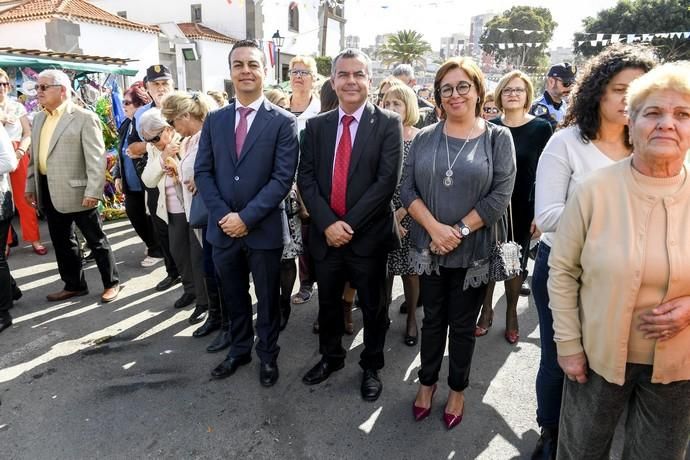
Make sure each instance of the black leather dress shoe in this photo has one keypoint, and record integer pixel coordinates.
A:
(208, 327)
(268, 375)
(321, 371)
(229, 366)
(221, 342)
(197, 315)
(5, 320)
(185, 300)
(167, 283)
(371, 385)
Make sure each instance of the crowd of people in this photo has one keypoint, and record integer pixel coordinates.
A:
(346, 189)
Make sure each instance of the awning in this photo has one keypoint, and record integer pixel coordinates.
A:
(8, 60)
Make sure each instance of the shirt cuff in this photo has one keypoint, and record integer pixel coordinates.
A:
(569, 347)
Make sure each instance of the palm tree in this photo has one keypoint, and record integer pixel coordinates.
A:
(404, 47)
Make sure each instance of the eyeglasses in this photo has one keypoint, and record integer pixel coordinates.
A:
(300, 73)
(490, 109)
(566, 84)
(45, 87)
(516, 91)
(4, 84)
(127, 102)
(154, 140)
(461, 88)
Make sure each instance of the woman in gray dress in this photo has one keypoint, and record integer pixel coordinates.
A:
(458, 179)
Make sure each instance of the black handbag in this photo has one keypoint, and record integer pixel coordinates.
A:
(198, 214)
(505, 257)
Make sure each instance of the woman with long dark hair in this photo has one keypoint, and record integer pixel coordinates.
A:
(594, 135)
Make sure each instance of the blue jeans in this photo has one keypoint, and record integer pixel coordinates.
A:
(550, 375)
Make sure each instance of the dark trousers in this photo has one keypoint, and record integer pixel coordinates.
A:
(306, 263)
(188, 256)
(135, 207)
(368, 276)
(5, 278)
(161, 229)
(657, 425)
(233, 265)
(61, 228)
(448, 311)
(549, 375)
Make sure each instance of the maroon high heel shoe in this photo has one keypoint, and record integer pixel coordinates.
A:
(453, 420)
(420, 413)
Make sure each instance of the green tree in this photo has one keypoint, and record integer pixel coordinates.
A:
(323, 65)
(404, 47)
(641, 17)
(516, 20)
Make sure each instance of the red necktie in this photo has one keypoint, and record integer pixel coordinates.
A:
(342, 165)
(241, 131)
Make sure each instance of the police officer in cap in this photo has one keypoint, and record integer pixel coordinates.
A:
(552, 104)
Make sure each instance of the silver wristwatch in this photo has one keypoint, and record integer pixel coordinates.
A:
(464, 229)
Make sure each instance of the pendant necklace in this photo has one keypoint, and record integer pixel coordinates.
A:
(448, 179)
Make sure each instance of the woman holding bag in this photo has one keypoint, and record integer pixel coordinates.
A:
(458, 178)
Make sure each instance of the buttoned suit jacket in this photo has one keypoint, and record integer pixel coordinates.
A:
(252, 185)
(75, 163)
(371, 181)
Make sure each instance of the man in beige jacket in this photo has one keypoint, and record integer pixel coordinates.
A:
(65, 179)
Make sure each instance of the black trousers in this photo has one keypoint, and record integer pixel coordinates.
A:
(161, 229)
(448, 311)
(368, 276)
(5, 278)
(233, 265)
(135, 207)
(61, 228)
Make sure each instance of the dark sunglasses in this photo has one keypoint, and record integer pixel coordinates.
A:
(154, 140)
(171, 122)
(128, 102)
(45, 87)
(566, 84)
(5, 84)
(490, 109)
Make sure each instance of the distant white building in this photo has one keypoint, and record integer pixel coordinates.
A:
(75, 26)
(477, 24)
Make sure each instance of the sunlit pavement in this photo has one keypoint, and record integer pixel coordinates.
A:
(126, 380)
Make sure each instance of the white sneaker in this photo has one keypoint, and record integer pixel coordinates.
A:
(150, 261)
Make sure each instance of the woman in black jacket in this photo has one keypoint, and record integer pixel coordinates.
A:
(127, 179)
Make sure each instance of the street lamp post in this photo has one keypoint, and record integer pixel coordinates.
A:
(278, 43)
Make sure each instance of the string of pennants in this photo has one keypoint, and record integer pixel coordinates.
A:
(525, 31)
(503, 46)
(605, 39)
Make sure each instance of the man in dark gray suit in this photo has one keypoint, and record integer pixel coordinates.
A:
(348, 172)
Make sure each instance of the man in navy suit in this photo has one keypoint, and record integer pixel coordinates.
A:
(244, 168)
(348, 173)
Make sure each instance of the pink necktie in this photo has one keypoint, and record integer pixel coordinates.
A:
(342, 166)
(241, 131)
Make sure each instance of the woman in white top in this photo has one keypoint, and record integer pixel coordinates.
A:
(8, 163)
(13, 117)
(594, 134)
(186, 113)
(164, 155)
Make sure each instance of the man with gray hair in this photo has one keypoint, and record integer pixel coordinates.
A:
(65, 179)
(405, 73)
(349, 168)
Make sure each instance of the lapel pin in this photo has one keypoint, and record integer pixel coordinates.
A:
(371, 121)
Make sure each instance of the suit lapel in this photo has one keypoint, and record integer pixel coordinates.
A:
(62, 124)
(329, 147)
(365, 128)
(227, 132)
(36, 132)
(263, 115)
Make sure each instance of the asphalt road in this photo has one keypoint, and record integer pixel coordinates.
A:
(81, 380)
